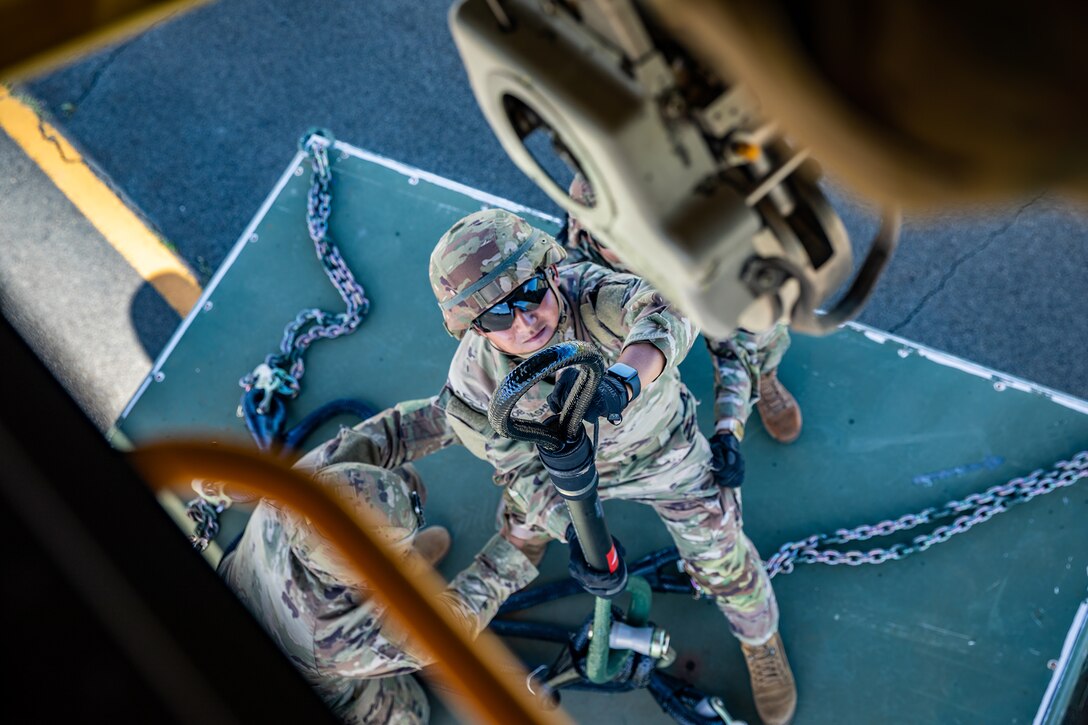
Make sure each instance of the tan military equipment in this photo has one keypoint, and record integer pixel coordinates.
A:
(694, 191)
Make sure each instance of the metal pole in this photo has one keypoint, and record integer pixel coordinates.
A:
(574, 475)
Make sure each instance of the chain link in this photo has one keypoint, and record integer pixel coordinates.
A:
(282, 372)
(967, 513)
(206, 517)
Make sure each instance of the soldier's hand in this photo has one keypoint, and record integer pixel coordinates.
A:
(598, 583)
(533, 549)
(608, 401)
(531, 543)
(726, 460)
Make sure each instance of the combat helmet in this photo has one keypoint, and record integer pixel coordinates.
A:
(365, 489)
(481, 259)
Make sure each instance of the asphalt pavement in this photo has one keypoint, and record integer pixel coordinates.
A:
(95, 323)
(194, 120)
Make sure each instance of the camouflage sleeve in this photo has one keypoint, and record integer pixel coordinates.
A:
(739, 361)
(475, 595)
(635, 312)
(403, 433)
(734, 376)
(371, 647)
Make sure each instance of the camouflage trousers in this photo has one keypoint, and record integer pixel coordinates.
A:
(397, 700)
(703, 519)
(739, 361)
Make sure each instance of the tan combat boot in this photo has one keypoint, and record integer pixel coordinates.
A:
(432, 544)
(778, 409)
(773, 687)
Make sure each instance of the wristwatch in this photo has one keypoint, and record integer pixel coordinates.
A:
(627, 374)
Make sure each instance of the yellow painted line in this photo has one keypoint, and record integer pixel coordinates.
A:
(119, 225)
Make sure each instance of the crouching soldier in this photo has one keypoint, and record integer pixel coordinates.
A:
(502, 294)
(745, 364)
(315, 607)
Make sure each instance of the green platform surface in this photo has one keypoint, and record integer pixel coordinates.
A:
(962, 633)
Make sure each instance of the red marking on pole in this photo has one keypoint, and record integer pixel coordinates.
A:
(613, 559)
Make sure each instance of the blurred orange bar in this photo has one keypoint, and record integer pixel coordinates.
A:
(490, 677)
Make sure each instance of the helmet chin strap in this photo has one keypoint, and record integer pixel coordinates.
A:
(564, 312)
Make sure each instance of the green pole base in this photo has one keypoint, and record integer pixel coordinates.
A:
(602, 662)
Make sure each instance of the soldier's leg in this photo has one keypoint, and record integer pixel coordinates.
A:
(705, 522)
(724, 564)
(771, 346)
(706, 525)
(388, 700)
(778, 408)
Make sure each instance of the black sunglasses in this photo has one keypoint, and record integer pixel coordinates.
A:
(526, 298)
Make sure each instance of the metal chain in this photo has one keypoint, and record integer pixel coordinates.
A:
(281, 372)
(968, 512)
(206, 517)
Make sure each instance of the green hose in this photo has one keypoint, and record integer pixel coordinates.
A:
(603, 664)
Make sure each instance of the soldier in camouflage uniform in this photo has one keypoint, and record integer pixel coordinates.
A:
(311, 602)
(656, 455)
(745, 364)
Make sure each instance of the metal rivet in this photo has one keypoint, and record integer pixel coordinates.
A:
(208, 306)
(413, 180)
(253, 238)
(160, 376)
(999, 386)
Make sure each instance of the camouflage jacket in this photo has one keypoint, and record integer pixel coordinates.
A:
(611, 310)
(336, 635)
(607, 308)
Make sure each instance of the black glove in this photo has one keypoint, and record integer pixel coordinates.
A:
(598, 583)
(727, 462)
(608, 401)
